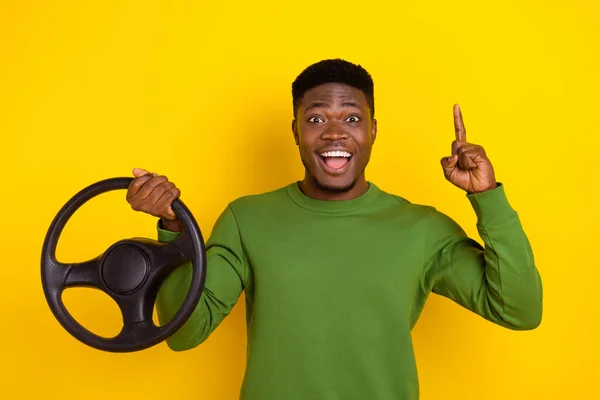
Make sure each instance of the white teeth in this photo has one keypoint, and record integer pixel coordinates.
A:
(336, 154)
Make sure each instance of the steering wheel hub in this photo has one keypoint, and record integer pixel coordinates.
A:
(124, 269)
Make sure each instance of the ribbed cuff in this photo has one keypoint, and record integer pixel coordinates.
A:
(165, 235)
(492, 206)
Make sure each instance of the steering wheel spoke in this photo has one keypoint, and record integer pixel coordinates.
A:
(164, 257)
(85, 274)
(135, 308)
(138, 331)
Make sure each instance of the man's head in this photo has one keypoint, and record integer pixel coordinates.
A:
(334, 127)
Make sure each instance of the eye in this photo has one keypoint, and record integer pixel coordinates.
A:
(314, 120)
(353, 118)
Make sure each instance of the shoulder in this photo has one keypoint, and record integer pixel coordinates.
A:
(401, 203)
(248, 209)
(263, 199)
(426, 214)
(257, 206)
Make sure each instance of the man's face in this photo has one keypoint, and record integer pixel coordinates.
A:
(335, 133)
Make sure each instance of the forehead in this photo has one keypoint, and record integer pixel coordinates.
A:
(332, 93)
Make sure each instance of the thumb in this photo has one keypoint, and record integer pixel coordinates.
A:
(449, 163)
(137, 172)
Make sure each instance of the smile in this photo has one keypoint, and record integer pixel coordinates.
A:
(335, 162)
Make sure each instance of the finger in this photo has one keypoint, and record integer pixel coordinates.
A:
(170, 214)
(449, 164)
(457, 145)
(148, 186)
(463, 146)
(467, 157)
(474, 150)
(157, 192)
(135, 185)
(137, 172)
(163, 205)
(459, 126)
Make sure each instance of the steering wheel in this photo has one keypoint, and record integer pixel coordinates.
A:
(130, 271)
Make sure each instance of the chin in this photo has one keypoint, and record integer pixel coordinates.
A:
(335, 185)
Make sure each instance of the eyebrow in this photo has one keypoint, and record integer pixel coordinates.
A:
(318, 104)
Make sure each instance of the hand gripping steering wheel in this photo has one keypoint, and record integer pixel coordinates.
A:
(130, 271)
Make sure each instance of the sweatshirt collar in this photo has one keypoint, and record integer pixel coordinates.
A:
(332, 207)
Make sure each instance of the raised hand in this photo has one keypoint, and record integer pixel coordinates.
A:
(468, 168)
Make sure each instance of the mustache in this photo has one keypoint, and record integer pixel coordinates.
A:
(336, 146)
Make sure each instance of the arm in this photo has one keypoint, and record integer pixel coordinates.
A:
(227, 274)
(498, 281)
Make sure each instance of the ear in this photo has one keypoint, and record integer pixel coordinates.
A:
(295, 131)
(373, 130)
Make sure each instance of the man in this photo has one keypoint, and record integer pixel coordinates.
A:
(335, 270)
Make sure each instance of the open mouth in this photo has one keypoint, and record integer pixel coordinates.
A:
(335, 161)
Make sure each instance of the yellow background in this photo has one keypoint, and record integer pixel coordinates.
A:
(200, 91)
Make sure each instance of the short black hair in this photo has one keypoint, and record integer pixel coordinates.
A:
(333, 71)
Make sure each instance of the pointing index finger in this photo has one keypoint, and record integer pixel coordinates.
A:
(459, 126)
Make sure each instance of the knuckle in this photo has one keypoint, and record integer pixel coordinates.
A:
(159, 181)
(161, 189)
(173, 193)
(137, 182)
(168, 185)
(155, 180)
(158, 190)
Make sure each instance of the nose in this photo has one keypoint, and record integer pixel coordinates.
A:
(334, 132)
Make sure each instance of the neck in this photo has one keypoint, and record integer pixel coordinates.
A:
(313, 190)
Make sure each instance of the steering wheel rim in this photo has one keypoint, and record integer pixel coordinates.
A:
(124, 271)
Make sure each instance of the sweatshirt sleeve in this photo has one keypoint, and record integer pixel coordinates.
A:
(227, 274)
(498, 281)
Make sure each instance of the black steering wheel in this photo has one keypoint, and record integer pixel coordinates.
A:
(130, 271)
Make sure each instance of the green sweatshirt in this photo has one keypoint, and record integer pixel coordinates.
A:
(333, 289)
